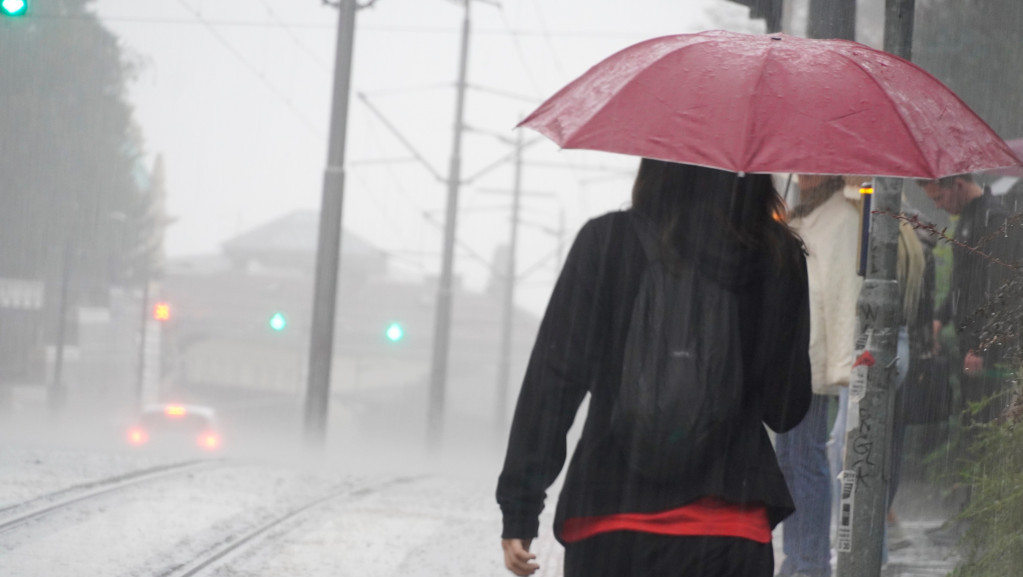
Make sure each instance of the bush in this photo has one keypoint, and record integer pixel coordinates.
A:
(992, 545)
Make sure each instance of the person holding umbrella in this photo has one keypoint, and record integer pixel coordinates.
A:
(714, 519)
(746, 105)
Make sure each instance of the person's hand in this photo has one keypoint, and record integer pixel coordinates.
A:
(517, 557)
(973, 364)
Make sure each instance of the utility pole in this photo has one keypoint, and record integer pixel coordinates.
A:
(866, 475)
(832, 19)
(328, 250)
(863, 509)
(508, 309)
(442, 323)
(899, 16)
(140, 366)
(58, 392)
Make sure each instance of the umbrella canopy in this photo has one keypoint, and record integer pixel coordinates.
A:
(1016, 145)
(772, 103)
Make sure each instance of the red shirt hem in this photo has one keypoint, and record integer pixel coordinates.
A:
(706, 517)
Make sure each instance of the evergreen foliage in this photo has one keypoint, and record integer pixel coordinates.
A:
(69, 153)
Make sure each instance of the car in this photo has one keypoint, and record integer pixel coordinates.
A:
(176, 426)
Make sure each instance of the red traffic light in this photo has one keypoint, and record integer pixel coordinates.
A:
(161, 311)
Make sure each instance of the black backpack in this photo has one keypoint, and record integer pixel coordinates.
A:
(681, 390)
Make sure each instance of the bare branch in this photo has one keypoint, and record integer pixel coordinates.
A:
(914, 221)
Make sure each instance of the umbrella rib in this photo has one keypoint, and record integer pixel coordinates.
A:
(898, 111)
(749, 104)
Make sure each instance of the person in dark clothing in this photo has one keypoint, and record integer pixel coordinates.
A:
(976, 278)
(715, 521)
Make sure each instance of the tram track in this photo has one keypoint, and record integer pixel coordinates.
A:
(237, 543)
(26, 512)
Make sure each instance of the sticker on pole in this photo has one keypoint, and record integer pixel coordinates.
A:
(843, 538)
(862, 362)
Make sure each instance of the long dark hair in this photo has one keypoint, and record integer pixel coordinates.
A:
(696, 206)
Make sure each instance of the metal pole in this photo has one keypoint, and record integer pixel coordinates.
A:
(442, 323)
(140, 366)
(899, 16)
(57, 392)
(508, 311)
(328, 251)
(773, 16)
(863, 509)
(832, 19)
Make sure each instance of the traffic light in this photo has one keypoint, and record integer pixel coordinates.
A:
(394, 332)
(278, 321)
(161, 311)
(13, 7)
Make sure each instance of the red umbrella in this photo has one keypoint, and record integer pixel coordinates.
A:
(772, 103)
(1016, 145)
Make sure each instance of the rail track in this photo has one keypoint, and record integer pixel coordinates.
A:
(237, 543)
(26, 512)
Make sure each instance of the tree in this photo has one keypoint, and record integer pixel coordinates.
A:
(68, 151)
(70, 158)
(142, 250)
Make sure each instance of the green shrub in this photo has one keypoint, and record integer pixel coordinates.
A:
(992, 545)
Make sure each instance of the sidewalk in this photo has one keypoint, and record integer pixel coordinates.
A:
(921, 559)
(469, 524)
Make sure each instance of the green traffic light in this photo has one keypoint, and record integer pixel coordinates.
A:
(13, 7)
(278, 322)
(395, 333)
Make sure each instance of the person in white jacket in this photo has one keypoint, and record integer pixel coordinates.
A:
(828, 225)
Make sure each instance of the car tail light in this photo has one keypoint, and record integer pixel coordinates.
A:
(137, 436)
(209, 441)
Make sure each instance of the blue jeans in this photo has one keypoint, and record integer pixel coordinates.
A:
(803, 457)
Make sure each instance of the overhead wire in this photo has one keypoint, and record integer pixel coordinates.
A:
(170, 21)
(229, 23)
(310, 125)
(431, 219)
(518, 50)
(294, 38)
(212, 25)
(547, 38)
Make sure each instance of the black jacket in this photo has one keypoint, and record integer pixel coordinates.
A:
(975, 278)
(579, 350)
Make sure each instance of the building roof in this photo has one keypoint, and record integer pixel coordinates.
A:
(293, 234)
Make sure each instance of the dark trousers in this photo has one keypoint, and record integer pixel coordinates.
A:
(636, 554)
